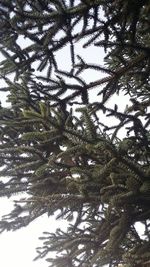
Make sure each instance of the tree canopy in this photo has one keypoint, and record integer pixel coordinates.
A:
(63, 148)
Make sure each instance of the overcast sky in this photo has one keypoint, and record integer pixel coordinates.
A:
(17, 248)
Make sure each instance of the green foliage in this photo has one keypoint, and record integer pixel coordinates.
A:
(59, 146)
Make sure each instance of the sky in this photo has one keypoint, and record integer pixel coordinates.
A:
(18, 248)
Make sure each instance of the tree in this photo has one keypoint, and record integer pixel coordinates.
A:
(54, 145)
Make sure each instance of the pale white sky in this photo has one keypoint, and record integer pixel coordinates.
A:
(18, 248)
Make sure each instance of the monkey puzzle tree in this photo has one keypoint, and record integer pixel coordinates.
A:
(55, 144)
